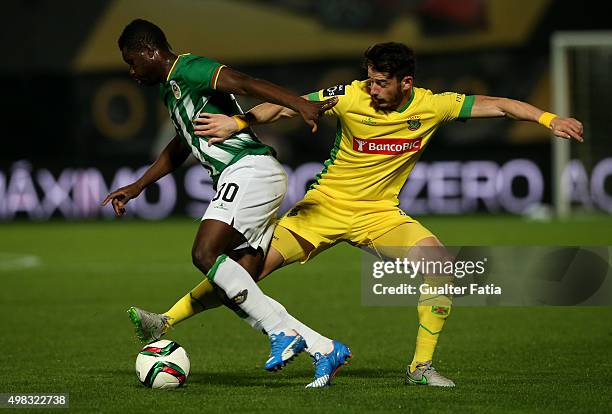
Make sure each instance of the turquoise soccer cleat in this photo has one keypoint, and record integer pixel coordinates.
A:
(283, 349)
(326, 366)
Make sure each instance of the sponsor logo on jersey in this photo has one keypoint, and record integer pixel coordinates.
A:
(387, 146)
(175, 89)
(337, 90)
(368, 121)
(414, 124)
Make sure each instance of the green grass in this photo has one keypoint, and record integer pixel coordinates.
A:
(64, 328)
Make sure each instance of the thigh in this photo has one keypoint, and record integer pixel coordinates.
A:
(287, 247)
(216, 237)
(290, 246)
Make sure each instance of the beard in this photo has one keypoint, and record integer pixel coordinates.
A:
(387, 105)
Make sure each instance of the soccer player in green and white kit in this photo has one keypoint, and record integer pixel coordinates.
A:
(237, 227)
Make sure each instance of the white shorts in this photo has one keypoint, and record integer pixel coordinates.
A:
(249, 194)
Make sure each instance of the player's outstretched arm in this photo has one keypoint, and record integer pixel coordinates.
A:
(493, 107)
(219, 127)
(233, 81)
(173, 156)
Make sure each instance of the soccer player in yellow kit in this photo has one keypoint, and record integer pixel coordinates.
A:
(383, 125)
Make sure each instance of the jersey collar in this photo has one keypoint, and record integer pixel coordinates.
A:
(173, 65)
(407, 104)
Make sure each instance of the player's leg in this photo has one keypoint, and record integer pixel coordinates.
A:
(151, 326)
(249, 193)
(260, 184)
(287, 247)
(328, 355)
(202, 297)
(413, 241)
(212, 243)
(205, 296)
(433, 311)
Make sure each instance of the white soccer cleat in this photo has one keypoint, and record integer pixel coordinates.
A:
(425, 374)
(149, 326)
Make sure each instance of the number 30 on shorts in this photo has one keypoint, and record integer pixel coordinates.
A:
(227, 192)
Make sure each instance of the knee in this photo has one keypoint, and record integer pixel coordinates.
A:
(203, 258)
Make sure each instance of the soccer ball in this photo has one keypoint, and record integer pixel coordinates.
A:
(162, 364)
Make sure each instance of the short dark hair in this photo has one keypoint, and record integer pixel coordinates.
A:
(140, 33)
(394, 58)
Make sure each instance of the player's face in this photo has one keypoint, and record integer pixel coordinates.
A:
(386, 91)
(143, 66)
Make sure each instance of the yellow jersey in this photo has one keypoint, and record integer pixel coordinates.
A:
(375, 151)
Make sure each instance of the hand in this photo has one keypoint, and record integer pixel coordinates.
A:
(217, 127)
(121, 197)
(568, 128)
(312, 110)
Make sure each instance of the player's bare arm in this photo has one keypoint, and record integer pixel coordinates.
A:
(220, 127)
(233, 81)
(493, 107)
(172, 157)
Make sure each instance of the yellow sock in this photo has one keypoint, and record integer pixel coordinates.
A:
(200, 298)
(431, 322)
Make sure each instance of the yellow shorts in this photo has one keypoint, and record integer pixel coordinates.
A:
(324, 221)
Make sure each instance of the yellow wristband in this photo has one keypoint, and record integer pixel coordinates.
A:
(546, 118)
(241, 121)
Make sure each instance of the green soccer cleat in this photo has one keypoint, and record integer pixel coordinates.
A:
(425, 374)
(149, 326)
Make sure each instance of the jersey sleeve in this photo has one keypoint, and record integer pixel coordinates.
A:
(202, 74)
(345, 94)
(450, 106)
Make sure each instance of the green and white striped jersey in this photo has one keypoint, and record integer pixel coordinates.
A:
(190, 89)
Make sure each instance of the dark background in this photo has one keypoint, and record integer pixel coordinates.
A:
(69, 104)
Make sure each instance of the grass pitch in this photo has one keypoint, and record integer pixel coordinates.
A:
(66, 286)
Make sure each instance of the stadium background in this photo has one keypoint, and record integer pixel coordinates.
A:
(75, 126)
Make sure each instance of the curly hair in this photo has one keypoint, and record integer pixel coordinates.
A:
(140, 33)
(393, 58)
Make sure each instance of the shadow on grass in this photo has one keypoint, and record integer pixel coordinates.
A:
(252, 379)
(371, 373)
(287, 378)
(228, 378)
